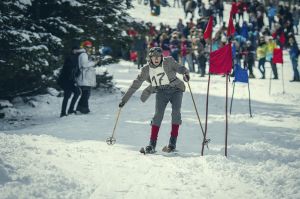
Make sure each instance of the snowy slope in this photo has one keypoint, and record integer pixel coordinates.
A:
(68, 157)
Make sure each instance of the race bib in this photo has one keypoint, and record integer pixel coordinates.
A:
(158, 77)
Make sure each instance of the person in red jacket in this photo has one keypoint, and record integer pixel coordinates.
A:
(234, 9)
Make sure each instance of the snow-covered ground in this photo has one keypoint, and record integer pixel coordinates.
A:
(44, 156)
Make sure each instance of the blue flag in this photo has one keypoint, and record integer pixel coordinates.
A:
(240, 75)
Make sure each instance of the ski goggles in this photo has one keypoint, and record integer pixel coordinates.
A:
(155, 52)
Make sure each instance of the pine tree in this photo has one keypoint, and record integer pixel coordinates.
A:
(35, 35)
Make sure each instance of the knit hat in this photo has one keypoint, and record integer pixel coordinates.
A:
(87, 44)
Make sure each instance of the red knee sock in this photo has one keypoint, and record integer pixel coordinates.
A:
(154, 132)
(175, 128)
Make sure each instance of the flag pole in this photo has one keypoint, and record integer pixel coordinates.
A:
(270, 82)
(207, 97)
(226, 114)
(230, 31)
(232, 97)
(283, 91)
(206, 116)
(249, 99)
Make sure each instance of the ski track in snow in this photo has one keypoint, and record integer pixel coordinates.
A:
(50, 157)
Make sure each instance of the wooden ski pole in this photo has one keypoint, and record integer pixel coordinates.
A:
(112, 140)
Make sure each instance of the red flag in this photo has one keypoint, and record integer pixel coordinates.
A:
(221, 60)
(277, 56)
(230, 28)
(209, 28)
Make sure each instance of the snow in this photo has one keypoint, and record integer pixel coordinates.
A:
(60, 21)
(52, 91)
(26, 2)
(101, 70)
(44, 156)
(23, 3)
(35, 48)
(168, 16)
(52, 37)
(73, 3)
(5, 104)
(22, 33)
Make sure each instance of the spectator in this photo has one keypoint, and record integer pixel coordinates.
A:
(67, 80)
(165, 44)
(261, 56)
(201, 56)
(271, 45)
(294, 54)
(140, 46)
(296, 18)
(271, 15)
(175, 46)
(180, 26)
(249, 59)
(87, 78)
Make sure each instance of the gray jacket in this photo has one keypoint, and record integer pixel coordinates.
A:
(171, 67)
(87, 75)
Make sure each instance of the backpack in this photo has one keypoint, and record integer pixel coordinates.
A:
(75, 72)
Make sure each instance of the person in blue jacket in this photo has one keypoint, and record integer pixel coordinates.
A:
(294, 53)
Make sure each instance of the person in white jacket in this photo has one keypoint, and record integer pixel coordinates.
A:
(87, 78)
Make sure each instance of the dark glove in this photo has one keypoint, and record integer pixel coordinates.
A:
(186, 77)
(121, 104)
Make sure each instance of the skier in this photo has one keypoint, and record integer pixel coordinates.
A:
(161, 73)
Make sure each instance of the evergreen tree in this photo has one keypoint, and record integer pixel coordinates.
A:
(36, 34)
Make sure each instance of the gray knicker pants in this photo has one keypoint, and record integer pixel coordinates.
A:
(163, 97)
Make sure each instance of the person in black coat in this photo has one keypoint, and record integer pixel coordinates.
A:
(140, 45)
(249, 57)
(67, 81)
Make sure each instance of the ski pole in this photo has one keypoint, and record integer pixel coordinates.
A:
(112, 140)
(206, 140)
(282, 80)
